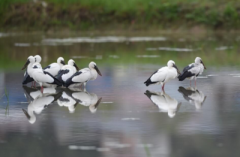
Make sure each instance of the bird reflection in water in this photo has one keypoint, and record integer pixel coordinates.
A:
(38, 101)
(66, 100)
(71, 97)
(194, 96)
(164, 102)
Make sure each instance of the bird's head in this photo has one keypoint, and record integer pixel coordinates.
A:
(38, 58)
(171, 64)
(198, 60)
(60, 60)
(72, 63)
(30, 59)
(93, 65)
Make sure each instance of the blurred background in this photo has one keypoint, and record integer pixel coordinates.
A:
(129, 40)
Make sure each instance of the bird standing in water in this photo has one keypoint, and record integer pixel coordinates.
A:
(84, 75)
(54, 68)
(192, 70)
(163, 75)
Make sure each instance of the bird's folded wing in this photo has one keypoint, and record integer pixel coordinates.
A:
(188, 67)
(194, 70)
(40, 76)
(159, 76)
(82, 75)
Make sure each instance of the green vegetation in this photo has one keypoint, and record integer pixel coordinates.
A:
(119, 14)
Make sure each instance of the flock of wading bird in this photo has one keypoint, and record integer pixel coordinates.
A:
(165, 74)
(60, 74)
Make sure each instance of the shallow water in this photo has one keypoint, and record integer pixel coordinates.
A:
(124, 118)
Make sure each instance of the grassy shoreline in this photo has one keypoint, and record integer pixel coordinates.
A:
(109, 15)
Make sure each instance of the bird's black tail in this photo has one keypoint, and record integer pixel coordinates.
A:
(59, 75)
(27, 79)
(184, 75)
(148, 82)
(56, 81)
(69, 81)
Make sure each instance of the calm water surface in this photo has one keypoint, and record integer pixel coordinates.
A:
(117, 115)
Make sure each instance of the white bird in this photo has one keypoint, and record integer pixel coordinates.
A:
(27, 75)
(54, 68)
(163, 75)
(164, 102)
(38, 103)
(67, 71)
(90, 100)
(37, 65)
(43, 77)
(192, 70)
(194, 96)
(32, 63)
(84, 75)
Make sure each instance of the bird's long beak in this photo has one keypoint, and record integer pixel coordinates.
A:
(63, 63)
(177, 69)
(76, 66)
(26, 64)
(98, 71)
(26, 113)
(98, 102)
(203, 65)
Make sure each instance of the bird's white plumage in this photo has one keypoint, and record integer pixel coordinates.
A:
(85, 75)
(30, 69)
(197, 68)
(54, 68)
(37, 64)
(165, 74)
(40, 77)
(201, 69)
(71, 70)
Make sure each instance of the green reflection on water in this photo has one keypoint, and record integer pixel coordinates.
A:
(214, 52)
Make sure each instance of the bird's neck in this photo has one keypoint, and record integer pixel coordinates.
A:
(94, 73)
